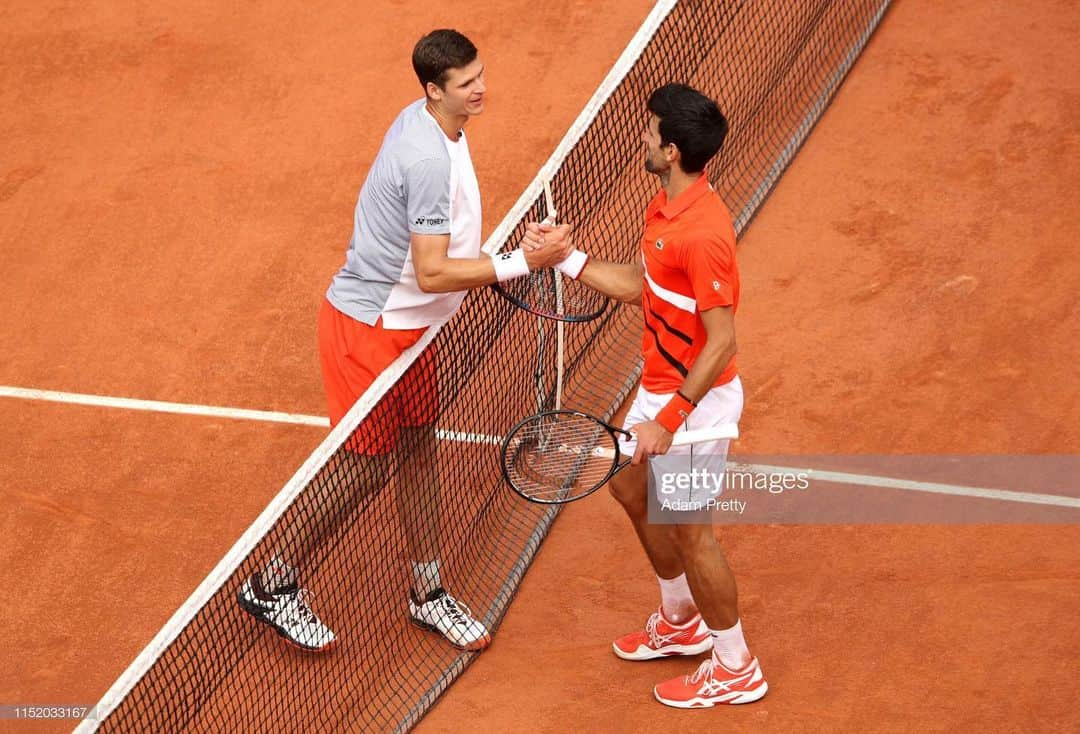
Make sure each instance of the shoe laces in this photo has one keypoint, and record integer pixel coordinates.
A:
(299, 607)
(650, 629)
(704, 670)
(455, 610)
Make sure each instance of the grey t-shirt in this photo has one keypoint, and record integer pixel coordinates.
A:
(421, 182)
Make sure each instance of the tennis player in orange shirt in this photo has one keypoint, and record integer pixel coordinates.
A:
(686, 283)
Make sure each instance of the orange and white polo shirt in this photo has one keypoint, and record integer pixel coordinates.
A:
(688, 253)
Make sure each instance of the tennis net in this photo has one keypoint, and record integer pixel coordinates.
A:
(773, 66)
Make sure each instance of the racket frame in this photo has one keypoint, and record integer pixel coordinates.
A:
(613, 454)
(726, 431)
(560, 315)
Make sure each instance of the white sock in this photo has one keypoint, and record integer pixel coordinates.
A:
(277, 575)
(425, 578)
(730, 648)
(676, 600)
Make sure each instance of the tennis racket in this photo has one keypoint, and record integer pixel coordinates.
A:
(547, 293)
(560, 456)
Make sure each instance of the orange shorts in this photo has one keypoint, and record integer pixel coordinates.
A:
(353, 355)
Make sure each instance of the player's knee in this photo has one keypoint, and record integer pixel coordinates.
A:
(691, 536)
(628, 494)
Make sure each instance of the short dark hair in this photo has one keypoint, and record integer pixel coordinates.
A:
(438, 52)
(691, 121)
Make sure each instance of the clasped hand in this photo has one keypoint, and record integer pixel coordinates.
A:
(546, 245)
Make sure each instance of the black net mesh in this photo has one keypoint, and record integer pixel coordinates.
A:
(772, 65)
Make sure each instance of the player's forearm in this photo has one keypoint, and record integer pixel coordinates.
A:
(456, 274)
(621, 281)
(712, 360)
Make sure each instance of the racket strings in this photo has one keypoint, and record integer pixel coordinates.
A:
(539, 292)
(555, 456)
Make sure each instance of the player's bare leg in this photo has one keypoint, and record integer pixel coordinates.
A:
(347, 483)
(430, 606)
(730, 675)
(676, 628)
(708, 574)
(418, 503)
(630, 487)
(273, 595)
(341, 489)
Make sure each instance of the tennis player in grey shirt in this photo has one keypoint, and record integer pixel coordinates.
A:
(414, 252)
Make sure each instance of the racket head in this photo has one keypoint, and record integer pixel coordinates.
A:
(552, 295)
(548, 293)
(559, 456)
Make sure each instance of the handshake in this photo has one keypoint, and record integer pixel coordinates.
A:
(547, 251)
(548, 245)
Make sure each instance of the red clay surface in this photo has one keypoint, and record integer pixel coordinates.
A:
(177, 190)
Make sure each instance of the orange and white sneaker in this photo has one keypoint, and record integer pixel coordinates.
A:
(712, 683)
(660, 639)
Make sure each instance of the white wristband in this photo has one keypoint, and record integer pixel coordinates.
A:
(573, 264)
(510, 265)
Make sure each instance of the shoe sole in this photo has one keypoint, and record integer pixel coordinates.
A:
(740, 697)
(474, 646)
(259, 614)
(647, 653)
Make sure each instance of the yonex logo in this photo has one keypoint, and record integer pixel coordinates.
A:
(430, 220)
(716, 285)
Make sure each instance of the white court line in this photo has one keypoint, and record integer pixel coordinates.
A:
(159, 406)
(863, 480)
(869, 480)
(446, 435)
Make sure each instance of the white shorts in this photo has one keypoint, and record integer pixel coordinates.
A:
(720, 405)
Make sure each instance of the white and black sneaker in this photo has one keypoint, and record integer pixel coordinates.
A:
(442, 613)
(288, 612)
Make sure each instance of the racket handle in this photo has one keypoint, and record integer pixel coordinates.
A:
(701, 435)
(713, 433)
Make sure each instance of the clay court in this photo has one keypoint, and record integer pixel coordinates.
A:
(177, 190)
